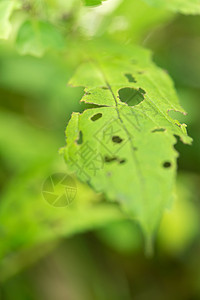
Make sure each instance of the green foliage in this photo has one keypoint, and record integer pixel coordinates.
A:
(6, 9)
(92, 2)
(175, 234)
(183, 6)
(37, 37)
(40, 223)
(124, 148)
(124, 26)
(123, 236)
(121, 146)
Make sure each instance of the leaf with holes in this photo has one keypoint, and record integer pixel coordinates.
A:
(124, 146)
(183, 6)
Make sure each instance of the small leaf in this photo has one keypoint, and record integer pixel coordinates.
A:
(92, 2)
(183, 6)
(6, 9)
(37, 37)
(128, 153)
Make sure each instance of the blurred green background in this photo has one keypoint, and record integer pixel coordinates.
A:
(88, 250)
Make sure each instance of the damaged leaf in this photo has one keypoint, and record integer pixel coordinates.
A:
(127, 143)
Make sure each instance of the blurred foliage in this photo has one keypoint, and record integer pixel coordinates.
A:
(40, 255)
(184, 6)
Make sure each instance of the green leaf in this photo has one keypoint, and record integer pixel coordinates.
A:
(92, 2)
(180, 225)
(183, 6)
(123, 236)
(36, 37)
(124, 27)
(6, 9)
(41, 223)
(17, 146)
(125, 147)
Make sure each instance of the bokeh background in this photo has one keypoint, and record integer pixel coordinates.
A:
(87, 250)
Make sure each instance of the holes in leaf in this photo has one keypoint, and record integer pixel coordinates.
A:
(108, 159)
(159, 130)
(80, 139)
(122, 161)
(130, 77)
(117, 139)
(142, 91)
(131, 96)
(167, 164)
(96, 117)
(177, 115)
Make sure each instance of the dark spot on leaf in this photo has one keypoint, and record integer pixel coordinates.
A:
(179, 125)
(80, 139)
(159, 130)
(87, 93)
(135, 148)
(131, 96)
(167, 164)
(109, 159)
(130, 77)
(109, 174)
(117, 139)
(122, 161)
(104, 87)
(96, 117)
